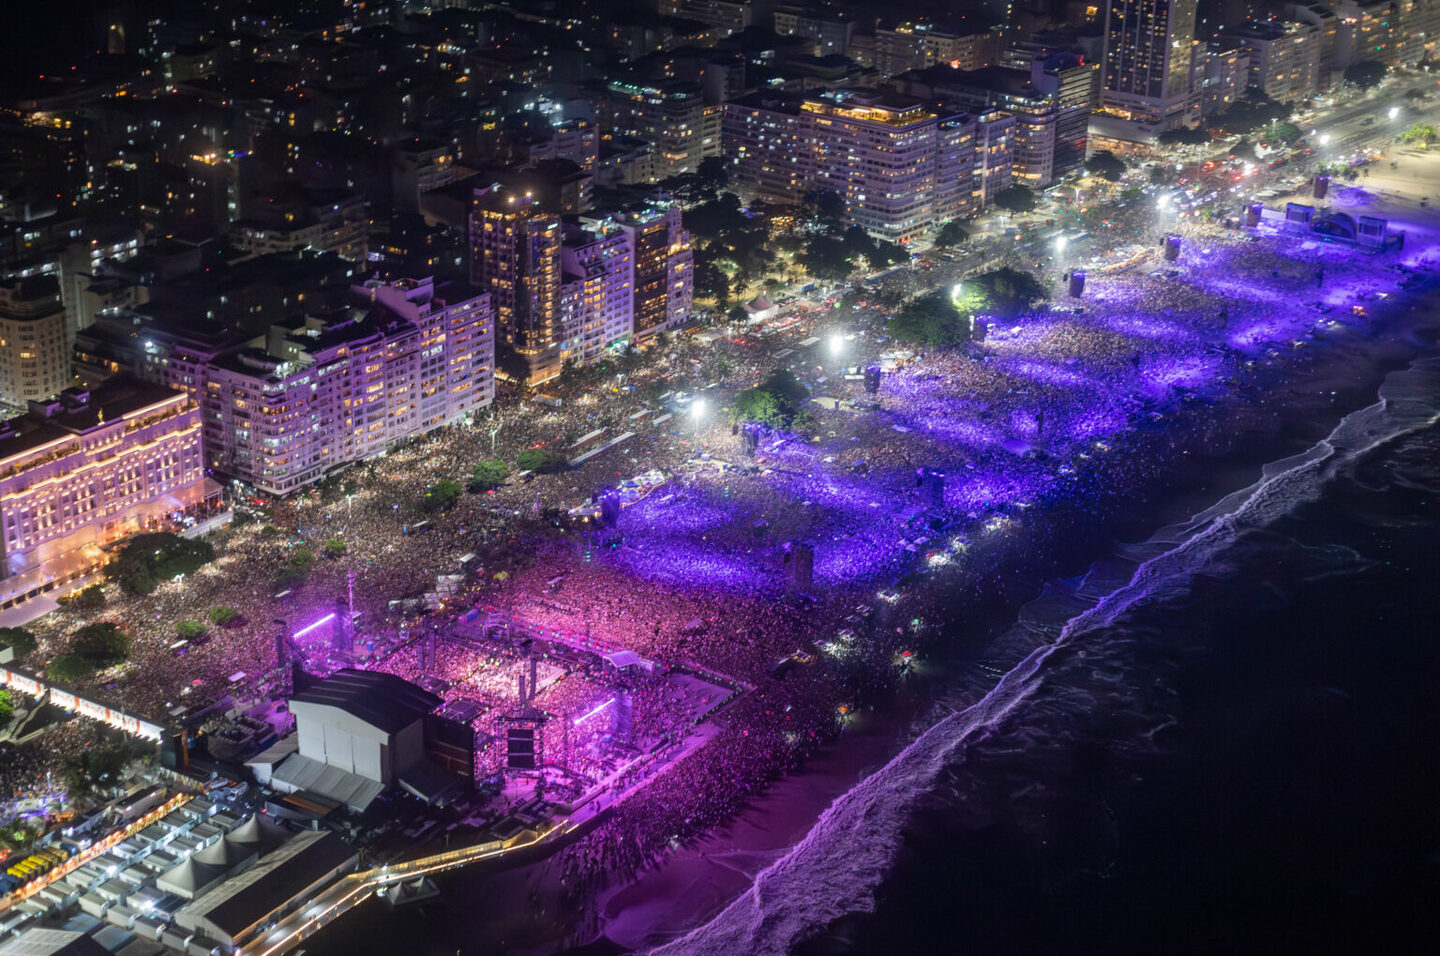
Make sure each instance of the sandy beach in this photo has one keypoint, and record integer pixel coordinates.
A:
(1338, 373)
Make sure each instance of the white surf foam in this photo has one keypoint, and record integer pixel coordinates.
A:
(834, 870)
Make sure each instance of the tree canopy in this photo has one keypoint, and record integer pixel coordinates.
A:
(145, 560)
(951, 234)
(1184, 136)
(1280, 131)
(490, 472)
(101, 644)
(441, 495)
(19, 640)
(1004, 292)
(1015, 199)
(1251, 111)
(1365, 73)
(540, 460)
(775, 403)
(931, 319)
(1106, 165)
(1422, 133)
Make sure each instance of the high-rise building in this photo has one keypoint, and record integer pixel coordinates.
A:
(664, 261)
(1147, 72)
(672, 115)
(724, 16)
(558, 291)
(89, 467)
(34, 340)
(1367, 30)
(831, 30)
(515, 257)
(1284, 57)
(1223, 74)
(1050, 100)
(598, 290)
(345, 384)
(883, 153)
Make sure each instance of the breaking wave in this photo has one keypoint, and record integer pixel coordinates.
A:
(835, 869)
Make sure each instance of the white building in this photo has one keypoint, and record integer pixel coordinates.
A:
(357, 732)
(1284, 57)
(34, 341)
(88, 469)
(893, 160)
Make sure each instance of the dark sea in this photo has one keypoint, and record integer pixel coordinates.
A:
(1225, 738)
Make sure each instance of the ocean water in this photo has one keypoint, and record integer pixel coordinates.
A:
(1224, 738)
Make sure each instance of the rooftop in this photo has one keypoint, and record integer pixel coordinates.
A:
(383, 700)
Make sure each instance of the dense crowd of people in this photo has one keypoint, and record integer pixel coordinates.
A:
(710, 568)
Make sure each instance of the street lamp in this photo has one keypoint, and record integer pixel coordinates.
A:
(836, 345)
(697, 409)
(1393, 112)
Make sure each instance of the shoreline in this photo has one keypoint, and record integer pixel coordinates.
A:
(1277, 410)
(1288, 396)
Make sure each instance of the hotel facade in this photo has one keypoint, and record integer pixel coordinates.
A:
(900, 167)
(88, 468)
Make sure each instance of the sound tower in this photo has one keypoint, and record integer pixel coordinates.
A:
(1077, 284)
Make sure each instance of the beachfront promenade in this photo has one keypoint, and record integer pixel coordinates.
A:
(355, 888)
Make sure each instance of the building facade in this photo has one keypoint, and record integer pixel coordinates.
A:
(559, 291)
(1284, 57)
(1147, 69)
(884, 154)
(343, 385)
(88, 468)
(34, 340)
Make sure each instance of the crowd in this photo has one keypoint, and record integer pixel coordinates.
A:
(1041, 412)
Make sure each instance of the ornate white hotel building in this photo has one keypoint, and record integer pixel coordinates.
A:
(86, 469)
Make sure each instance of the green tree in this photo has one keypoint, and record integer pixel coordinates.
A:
(541, 461)
(885, 253)
(1365, 73)
(300, 560)
(931, 319)
(1244, 149)
(1184, 136)
(489, 473)
(1280, 131)
(443, 494)
(1015, 199)
(68, 668)
(19, 640)
(1251, 111)
(713, 172)
(1106, 165)
(951, 234)
(145, 560)
(826, 207)
(825, 258)
(222, 614)
(335, 547)
(1423, 134)
(758, 406)
(101, 644)
(189, 630)
(7, 705)
(1004, 292)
